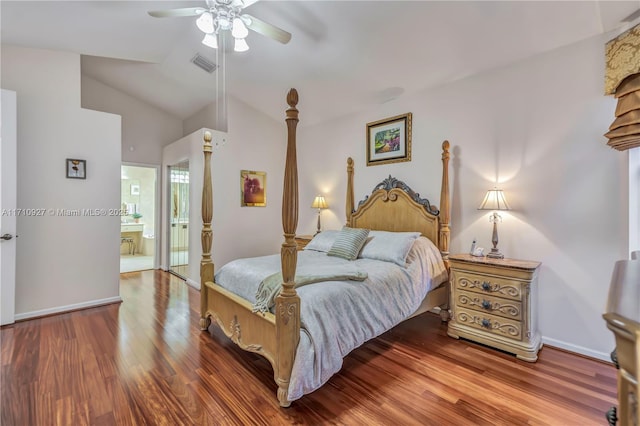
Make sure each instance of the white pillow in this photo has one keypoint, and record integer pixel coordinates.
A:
(388, 246)
(322, 241)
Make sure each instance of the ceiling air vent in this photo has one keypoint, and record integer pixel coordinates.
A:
(204, 63)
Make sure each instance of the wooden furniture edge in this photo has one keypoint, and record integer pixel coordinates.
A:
(206, 235)
(445, 206)
(231, 311)
(278, 342)
(287, 308)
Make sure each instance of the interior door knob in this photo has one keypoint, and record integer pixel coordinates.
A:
(7, 237)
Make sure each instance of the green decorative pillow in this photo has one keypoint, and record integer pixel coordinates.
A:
(348, 243)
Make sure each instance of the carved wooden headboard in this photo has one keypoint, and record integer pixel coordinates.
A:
(394, 206)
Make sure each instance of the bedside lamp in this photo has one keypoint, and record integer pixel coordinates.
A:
(495, 200)
(319, 203)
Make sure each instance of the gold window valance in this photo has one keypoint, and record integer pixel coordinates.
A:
(622, 79)
(623, 58)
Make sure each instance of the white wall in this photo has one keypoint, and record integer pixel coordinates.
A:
(206, 117)
(634, 199)
(237, 231)
(145, 128)
(62, 262)
(256, 142)
(187, 148)
(536, 128)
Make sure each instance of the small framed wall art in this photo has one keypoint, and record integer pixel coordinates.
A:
(76, 169)
(389, 140)
(253, 188)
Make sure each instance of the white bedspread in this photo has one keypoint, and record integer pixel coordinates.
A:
(338, 316)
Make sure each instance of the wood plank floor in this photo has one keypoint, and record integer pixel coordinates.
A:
(145, 362)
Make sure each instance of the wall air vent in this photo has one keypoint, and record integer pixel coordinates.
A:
(204, 63)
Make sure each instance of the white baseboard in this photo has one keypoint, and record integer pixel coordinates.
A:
(67, 308)
(603, 356)
(194, 284)
(577, 349)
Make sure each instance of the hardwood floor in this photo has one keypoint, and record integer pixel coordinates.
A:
(146, 362)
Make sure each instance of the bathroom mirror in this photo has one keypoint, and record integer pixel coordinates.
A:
(130, 190)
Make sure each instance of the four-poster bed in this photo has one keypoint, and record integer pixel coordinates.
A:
(276, 334)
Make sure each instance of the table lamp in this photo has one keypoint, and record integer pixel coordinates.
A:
(495, 200)
(319, 203)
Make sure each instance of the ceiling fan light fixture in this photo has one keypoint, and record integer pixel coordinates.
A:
(210, 40)
(205, 23)
(239, 29)
(223, 21)
(241, 45)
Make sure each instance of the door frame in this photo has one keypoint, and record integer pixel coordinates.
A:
(9, 194)
(167, 243)
(156, 210)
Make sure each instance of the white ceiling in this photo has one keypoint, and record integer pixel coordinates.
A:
(344, 55)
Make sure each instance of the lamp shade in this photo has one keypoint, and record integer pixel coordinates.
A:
(319, 203)
(205, 23)
(240, 45)
(210, 40)
(494, 200)
(239, 29)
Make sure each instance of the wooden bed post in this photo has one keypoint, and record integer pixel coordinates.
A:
(445, 215)
(350, 199)
(206, 265)
(445, 206)
(288, 303)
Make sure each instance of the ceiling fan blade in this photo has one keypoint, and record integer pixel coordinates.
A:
(267, 30)
(171, 13)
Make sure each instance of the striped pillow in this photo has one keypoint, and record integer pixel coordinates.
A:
(348, 243)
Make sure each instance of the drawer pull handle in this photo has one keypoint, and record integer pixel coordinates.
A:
(486, 286)
(486, 304)
(486, 323)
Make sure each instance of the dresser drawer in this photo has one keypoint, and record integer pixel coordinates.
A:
(489, 323)
(486, 303)
(488, 285)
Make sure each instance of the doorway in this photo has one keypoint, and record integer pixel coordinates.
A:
(138, 187)
(179, 219)
(8, 204)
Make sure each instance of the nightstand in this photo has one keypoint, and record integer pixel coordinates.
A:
(303, 240)
(494, 302)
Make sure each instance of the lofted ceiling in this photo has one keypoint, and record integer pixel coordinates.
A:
(344, 56)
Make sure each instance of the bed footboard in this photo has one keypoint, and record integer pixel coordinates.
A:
(251, 331)
(274, 336)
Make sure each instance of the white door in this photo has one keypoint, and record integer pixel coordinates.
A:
(8, 169)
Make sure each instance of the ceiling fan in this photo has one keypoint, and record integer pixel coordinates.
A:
(226, 15)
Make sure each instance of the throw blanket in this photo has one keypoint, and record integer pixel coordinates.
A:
(270, 287)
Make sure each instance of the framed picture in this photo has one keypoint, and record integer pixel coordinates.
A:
(135, 189)
(76, 169)
(253, 188)
(389, 140)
